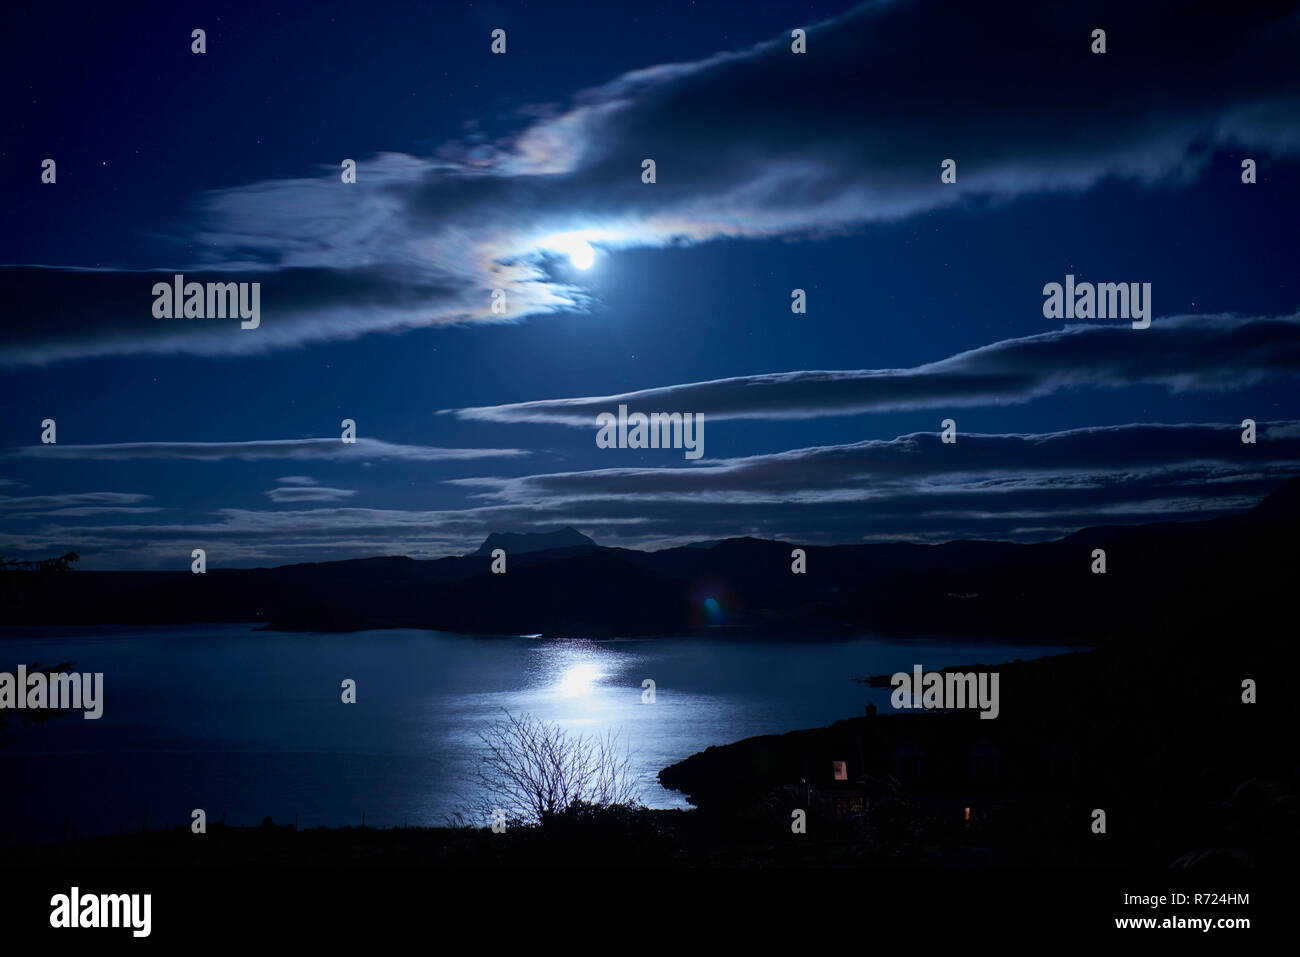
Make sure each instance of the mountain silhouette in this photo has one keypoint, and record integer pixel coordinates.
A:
(521, 543)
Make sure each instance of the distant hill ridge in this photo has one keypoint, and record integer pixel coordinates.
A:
(1224, 574)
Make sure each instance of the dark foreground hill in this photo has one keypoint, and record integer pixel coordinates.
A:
(1157, 735)
(1224, 573)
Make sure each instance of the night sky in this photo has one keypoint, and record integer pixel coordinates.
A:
(775, 171)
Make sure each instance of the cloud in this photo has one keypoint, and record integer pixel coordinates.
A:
(85, 510)
(1018, 486)
(97, 500)
(757, 143)
(297, 480)
(317, 494)
(294, 449)
(1289, 430)
(1097, 462)
(1183, 353)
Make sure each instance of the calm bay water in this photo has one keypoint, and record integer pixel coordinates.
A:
(250, 724)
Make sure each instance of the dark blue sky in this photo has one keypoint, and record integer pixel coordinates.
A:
(776, 171)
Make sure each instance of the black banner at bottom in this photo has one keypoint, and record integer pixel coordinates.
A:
(658, 907)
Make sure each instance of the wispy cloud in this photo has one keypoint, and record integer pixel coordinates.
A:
(298, 449)
(97, 500)
(300, 493)
(1091, 463)
(1181, 353)
(914, 487)
(749, 143)
(84, 511)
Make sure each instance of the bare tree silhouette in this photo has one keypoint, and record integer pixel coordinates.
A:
(534, 770)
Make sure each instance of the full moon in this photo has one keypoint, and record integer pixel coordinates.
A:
(582, 255)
